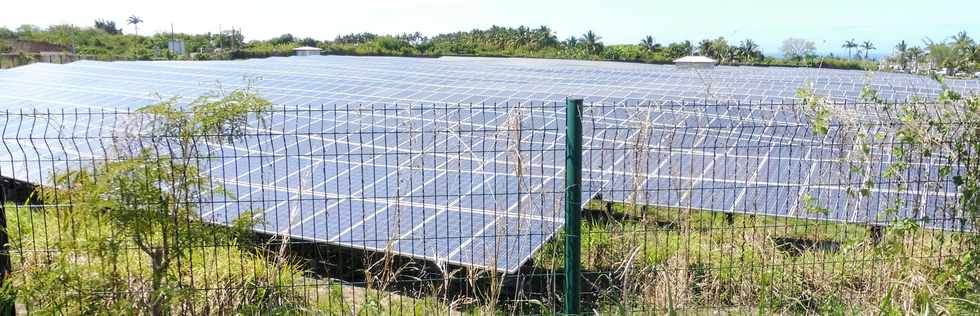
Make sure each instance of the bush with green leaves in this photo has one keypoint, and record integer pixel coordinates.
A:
(126, 231)
(946, 131)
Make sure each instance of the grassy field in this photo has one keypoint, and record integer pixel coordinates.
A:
(641, 261)
(690, 260)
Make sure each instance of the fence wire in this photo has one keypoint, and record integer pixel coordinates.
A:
(447, 209)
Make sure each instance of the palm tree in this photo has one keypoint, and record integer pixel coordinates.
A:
(523, 36)
(868, 47)
(733, 54)
(545, 37)
(749, 46)
(750, 49)
(851, 44)
(720, 49)
(135, 21)
(571, 42)
(915, 54)
(940, 55)
(107, 26)
(901, 51)
(648, 43)
(962, 41)
(964, 48)
(704, 48)
(591, 42)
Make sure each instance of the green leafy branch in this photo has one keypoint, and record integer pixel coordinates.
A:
(147, 195)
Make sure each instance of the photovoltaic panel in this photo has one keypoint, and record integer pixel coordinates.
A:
(436, 201)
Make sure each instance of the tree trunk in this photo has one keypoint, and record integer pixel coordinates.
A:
(159, 270)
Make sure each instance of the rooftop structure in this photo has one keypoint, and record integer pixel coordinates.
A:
(307, 51)
(695, 62)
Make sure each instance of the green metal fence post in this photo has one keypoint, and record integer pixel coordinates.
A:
(573, 205)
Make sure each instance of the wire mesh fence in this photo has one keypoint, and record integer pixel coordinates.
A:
(448, 209)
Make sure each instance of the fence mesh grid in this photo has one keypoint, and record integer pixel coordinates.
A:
(445, 209)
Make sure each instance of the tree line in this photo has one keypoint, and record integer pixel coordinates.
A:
(107, 41)
(959, 54)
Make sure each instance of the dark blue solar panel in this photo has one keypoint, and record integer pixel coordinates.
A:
(396, 178)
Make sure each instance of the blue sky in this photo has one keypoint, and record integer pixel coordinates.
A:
(768, 22)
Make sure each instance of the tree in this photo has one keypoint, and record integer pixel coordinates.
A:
(591, 42)
(107, 26)
(720, 50)
(544, 37)
(849, 45)
(679, 49)
(308, 41)
(941, 55)
(976, 56)
(915, 55)
(148, 191)
(649, 43)
(704, 48)
(134, 21)
(901, 54)
(965, 50)
(7, 33)
(868, 47)
(355, 38)
(570, 42)
(797, 48)
(283, 39)
(733, 55)
(962, 41)
(750, 50)
(26, 30)
(717, 48)
(230, 39)
(414, 39)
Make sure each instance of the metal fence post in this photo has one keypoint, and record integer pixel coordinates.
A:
(573, 205)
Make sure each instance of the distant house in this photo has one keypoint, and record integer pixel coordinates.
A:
(307, 51)
(695, 62)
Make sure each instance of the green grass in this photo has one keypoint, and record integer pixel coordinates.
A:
(60, 268)
(55, 273)
(661, 259)
(691, 260)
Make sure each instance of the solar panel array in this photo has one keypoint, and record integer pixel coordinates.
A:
(336, 79)
(384, 201)
(766, 159)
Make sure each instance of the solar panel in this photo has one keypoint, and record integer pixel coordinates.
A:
(386, 206)
(765, 160)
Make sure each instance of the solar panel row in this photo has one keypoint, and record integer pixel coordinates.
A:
(327, 80)
(429, 181)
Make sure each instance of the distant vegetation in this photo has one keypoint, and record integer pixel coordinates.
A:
(107, 42)
(104, 40)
